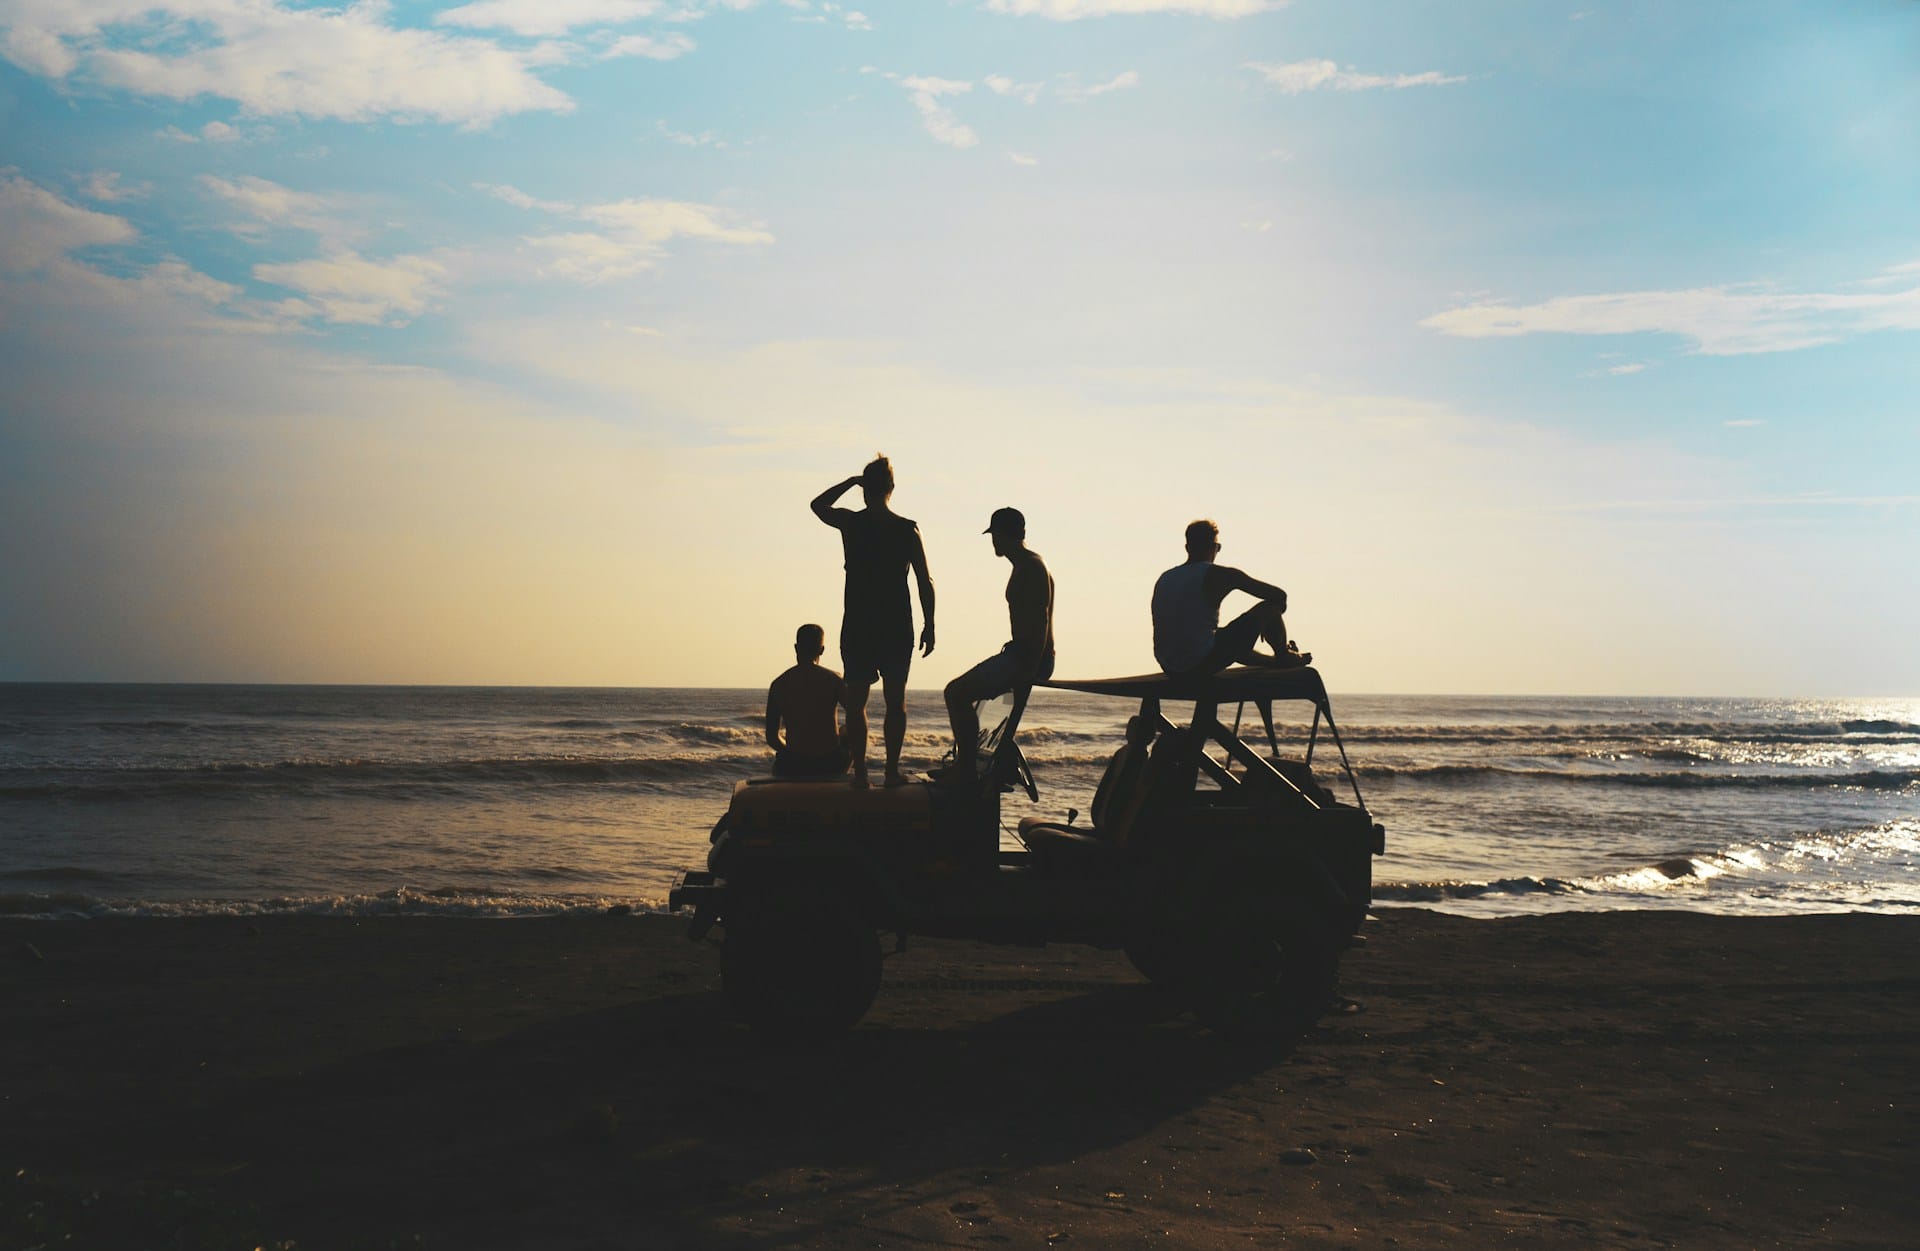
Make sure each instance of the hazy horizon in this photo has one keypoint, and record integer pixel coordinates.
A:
(1532, 349)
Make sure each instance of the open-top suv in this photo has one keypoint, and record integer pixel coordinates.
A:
(1226, 872)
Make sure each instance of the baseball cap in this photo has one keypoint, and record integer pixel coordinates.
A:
(1007, 521)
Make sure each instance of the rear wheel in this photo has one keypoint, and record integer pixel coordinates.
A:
(801, 970)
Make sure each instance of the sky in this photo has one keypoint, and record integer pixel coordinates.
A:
(1532, 347)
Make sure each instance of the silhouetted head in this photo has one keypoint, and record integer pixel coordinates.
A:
(1203, 540)
(808, 642)
(1008, 526)
(876, 480)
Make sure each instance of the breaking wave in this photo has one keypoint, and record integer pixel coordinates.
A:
(1865, 779)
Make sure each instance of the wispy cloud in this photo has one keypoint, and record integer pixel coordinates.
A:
(927, 95)
(1074, 10)
(349, 289)
(347, 64)
(1070, 88)
(686, 139)
(266, 203)
(824, 11)
(37, 250)
(1296, 77)
(42, 228)
(1001, 85)
(1021, 158)
(212, 132)
(1718, 321)
(653, 47)
(106, 187)
(535, 18)
(631, 235)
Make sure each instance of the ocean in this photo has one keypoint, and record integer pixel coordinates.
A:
(183, 800)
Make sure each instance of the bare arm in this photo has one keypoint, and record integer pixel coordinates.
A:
(823, 502)
(923, 580)
(773, 719)
(1223, 579)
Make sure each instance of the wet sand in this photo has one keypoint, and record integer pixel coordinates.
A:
(1620, 1079)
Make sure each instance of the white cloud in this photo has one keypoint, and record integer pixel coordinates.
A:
(936, 117)
(1295, 77)
(705, 139)
(652, 47)
(272, 204)
(1070, 89)
(1074, 10)
(545, 17)
(106, 187)
(657, 221)
(43, 228)
(346, 63)
(520, 199)
(1001, 85)
(1021, 158)
(632, 235)
(1719, 321)
(350, 289)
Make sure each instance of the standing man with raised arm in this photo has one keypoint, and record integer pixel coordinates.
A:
(1188, 638)
(1028, 656)
(876, 626)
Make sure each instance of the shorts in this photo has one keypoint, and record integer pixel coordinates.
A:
(790, 764)
(1230, 642)
(1000, 673)
(863, 663)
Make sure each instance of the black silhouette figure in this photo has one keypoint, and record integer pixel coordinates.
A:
(805, 702)
(1028, 656)
(1187, 635)
(876, 626)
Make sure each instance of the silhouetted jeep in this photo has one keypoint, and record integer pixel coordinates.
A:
(1226, 873)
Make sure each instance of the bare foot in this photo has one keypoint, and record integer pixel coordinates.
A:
(895, 778)
(859, 780)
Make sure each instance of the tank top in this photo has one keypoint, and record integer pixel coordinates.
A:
(1184, 618)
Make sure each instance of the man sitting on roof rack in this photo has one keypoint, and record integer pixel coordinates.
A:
(1188, 638)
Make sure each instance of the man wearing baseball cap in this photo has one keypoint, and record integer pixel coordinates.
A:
(1028, 656)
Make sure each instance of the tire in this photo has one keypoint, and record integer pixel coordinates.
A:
(1262, 957)
(1152, 961)
(798, 972)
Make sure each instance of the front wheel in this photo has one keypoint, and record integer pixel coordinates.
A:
(801, 972)
(1262, 958)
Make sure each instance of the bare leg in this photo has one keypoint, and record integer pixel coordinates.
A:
(894, 727)
(966, 731)
(1273, 631)
(856, 732)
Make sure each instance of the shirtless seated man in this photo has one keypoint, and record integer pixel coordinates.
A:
(1028, 656)
(1188, 638)
(806, 700)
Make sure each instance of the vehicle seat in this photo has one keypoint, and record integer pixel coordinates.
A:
(1062, 850)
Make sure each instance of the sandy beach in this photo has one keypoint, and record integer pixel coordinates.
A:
(1614, 1079)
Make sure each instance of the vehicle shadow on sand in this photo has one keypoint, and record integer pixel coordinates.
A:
(665, 1120)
